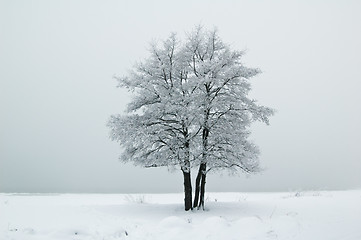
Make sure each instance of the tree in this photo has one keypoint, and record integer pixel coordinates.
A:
(190, 109)
(225, 109)
(157, 131)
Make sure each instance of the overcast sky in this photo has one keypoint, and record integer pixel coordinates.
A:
(57, 59)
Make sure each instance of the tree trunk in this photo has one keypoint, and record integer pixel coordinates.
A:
(186, 169)
(197, 190)
(187, 190)
(203, 166)
(203, 188)
(200, 187)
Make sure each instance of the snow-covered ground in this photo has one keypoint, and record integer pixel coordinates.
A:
(294, 215)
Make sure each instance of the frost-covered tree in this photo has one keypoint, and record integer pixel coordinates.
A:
(191, 108)
(158, 127)
(225, 110)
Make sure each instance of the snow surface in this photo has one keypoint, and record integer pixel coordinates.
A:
(294, 215)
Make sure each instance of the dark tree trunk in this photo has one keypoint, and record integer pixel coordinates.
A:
(187, 190)
(200, 187)
(203, 188)
(197, 190)
(186, 169)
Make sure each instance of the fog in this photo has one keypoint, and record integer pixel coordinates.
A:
(57, 60)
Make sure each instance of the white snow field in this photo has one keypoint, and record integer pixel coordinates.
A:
(295, 215)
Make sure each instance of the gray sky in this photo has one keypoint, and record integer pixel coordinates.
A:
(57, 59)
